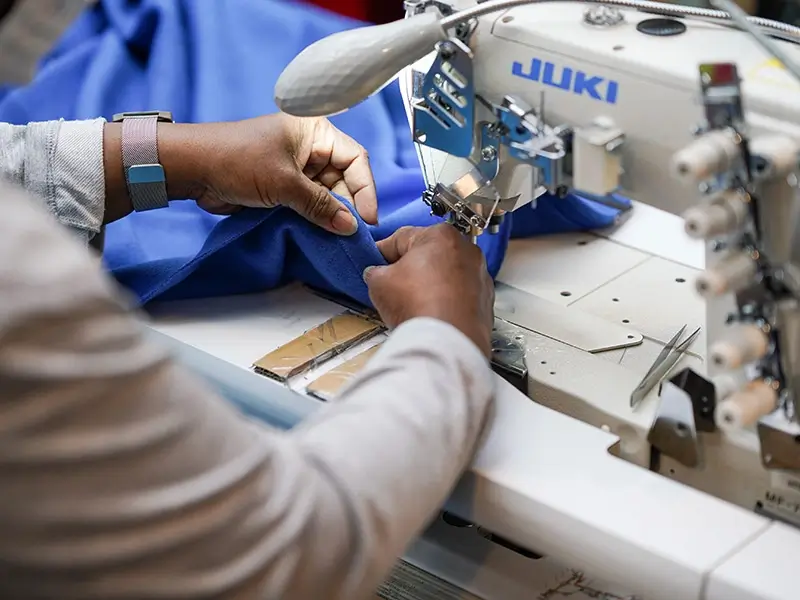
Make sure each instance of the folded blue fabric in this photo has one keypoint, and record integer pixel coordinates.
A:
(219, 61)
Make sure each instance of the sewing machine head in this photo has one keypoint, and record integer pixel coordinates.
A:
(512, 99)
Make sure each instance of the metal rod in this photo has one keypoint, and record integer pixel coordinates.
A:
(783, 30)
(739, 17)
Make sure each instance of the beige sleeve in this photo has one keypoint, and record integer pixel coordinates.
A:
(122, 477)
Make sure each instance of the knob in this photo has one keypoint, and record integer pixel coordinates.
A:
(438, 209)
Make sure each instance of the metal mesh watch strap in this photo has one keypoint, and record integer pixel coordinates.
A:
(143, 173)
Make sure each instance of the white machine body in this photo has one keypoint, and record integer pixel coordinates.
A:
(645, 90)
(649, 89)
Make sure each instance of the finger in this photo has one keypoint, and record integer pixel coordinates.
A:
(397, 245)
(322, 139)
(333, 179)
(349, 157)
(315, 203)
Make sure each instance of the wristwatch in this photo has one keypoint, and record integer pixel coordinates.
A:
(144, 174)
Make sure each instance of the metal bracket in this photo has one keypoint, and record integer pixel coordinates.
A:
(780, 442)
(703, 395)
(722, 97)
(444, 114)
(443, 202)
(489, 164)
(416, 7)
(674, 431)
(530, 140)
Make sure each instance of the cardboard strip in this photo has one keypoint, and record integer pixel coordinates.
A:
(563, 324)
(328, 386)
(317, 345)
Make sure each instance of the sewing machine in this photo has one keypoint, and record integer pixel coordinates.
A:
(694, 492)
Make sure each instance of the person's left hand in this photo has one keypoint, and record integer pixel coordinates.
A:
(283, 160)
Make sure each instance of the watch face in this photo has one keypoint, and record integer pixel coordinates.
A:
(163, 116)
(661, 27)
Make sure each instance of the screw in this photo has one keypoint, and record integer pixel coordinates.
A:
(488, 153)
(447, 51)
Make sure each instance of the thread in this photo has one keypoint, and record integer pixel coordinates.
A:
(731, 274)
(746, 344)
(775, 156)
(725, 215)
(745, 407)
(709, 155)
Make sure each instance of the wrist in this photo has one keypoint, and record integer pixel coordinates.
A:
(184, 156)
(181, 154)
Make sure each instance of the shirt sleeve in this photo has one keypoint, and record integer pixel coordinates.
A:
(60, 163)
(124, 477)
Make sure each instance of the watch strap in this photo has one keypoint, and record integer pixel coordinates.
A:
(144, 174)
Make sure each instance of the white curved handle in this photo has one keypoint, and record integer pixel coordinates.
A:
(346, 68)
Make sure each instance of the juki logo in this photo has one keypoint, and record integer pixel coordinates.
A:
(570, 80)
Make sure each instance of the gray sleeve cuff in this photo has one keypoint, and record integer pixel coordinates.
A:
(61, 163)
(79, 184)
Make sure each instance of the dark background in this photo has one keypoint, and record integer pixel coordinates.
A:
(383, 11)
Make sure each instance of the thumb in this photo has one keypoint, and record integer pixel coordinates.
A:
(316, 203)
(374, 274)
(377, 279)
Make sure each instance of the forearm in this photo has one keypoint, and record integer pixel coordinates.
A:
(402, 436)
(124, 477)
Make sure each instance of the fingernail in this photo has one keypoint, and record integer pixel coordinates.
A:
(344, 222)
(366, 272)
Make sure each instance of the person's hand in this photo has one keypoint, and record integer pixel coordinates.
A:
(294, 162)
(262, 163)
(434, 272)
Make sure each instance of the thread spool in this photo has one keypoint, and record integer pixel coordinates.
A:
(709, 155)
(723, 216)
(746, 344)
(725, 384)
(731, 274)
(774, 156)
(745, 407)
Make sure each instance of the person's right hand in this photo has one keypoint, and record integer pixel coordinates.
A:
(434, 272)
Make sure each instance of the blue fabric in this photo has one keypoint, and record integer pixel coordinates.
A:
(215, 61)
